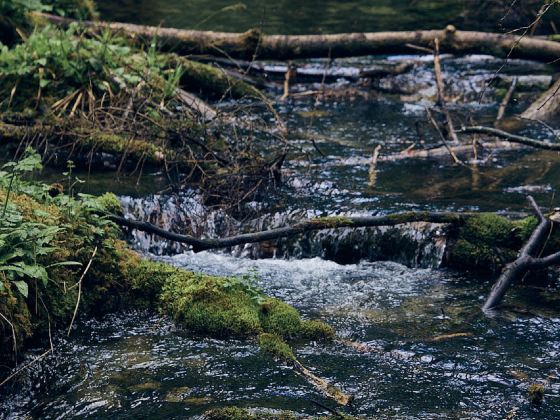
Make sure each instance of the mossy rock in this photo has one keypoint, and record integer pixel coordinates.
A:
(487, 242)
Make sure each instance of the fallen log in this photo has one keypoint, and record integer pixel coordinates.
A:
(90, 140)
(443, 151)
(253, 44)
(546, 106)
(526, 261)
(514, 138)
(321, 223)
(314, 74)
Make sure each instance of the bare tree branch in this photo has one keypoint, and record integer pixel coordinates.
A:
(305, 226)
(514, 138)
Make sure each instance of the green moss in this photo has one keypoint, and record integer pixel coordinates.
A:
(316, 330)
(332, 221)
(210, 305)
(523, 228)
(276, 346)
(18, 319)
(203, 78)
(117, 144)
(535, 394)
(235, 413)
(280, 318)
(487, 229)
(487, 242)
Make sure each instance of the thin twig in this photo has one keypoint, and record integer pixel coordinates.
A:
(80, 289)
(506, 100)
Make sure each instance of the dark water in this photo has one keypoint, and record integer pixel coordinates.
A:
(285, 16)
(139, 365)
(328, 16)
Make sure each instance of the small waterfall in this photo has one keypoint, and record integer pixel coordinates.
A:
(415, 244)
(182, 213)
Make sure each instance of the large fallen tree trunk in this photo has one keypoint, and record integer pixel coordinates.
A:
(320, 223)
(253, 44)
(526, 261)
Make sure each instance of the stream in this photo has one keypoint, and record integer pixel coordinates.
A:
(395, 300)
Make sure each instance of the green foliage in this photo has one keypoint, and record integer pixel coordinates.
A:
(77, 9)
(24, 243)
(15, 14)
(58, 68)
(43, 242)
(16, 11)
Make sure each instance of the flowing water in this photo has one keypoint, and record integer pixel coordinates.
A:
(428, 352)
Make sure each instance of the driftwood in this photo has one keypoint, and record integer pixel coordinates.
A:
(442, 151)
(546, 106)
(526, 261)
(277, 72)
(440, 85)
(253, 44)
(514, 138)
(193, 102)
(330, 390)
(455, 218)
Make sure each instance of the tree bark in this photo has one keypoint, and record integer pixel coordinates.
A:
(253, 44)
(546, 106)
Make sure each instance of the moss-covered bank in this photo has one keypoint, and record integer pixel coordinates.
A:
(41, 283)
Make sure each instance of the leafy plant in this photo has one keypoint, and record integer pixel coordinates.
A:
(247, 282)
(65, 70)
(24, 243)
